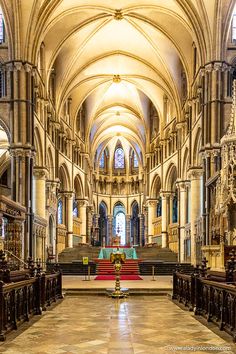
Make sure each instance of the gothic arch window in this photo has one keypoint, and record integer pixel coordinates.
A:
(102, 160)
(60, 212)
(175, 209)
(75, 209)
(159, 210)
(234, 28)
(135, 161)
(120, 226)
(2, 28)
(119, 158)
(3, 83)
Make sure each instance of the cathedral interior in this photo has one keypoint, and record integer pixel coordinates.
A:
(118, 128)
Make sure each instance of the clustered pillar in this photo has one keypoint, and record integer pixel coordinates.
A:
(164, 219)
(83, 218)
(39, 206)
(195, 177)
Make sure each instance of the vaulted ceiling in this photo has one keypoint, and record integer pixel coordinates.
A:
(116, 57)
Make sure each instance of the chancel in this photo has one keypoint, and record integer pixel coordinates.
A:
(117, 130)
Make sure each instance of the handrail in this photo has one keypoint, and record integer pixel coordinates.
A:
(12, 254)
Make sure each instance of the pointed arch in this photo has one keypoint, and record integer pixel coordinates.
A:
(171, 177)
(185, 164)
(38, 147)
(50, 164)
(155, 187)
(78, 187)
(64, 178)
(197, 148)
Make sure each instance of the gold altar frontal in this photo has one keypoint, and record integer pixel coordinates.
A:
(118, 259)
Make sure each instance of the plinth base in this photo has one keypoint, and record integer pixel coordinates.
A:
(118, 294)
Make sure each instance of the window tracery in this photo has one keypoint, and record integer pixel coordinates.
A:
(2, 29)
(102, 161)
(119, 158)
(60, 212)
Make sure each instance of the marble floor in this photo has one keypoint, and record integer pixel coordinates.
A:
(77, 282)
(97, 324)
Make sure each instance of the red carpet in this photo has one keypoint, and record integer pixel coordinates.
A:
(105, 267)
(123, 277)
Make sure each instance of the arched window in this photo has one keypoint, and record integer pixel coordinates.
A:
(102, 161)
(159, 211)
(120, 227)
(3, 83)
(119, 158)
(234, 28)
(2, 28)
(175, 210)
(135, 161)
(75, 209)
(60, 212)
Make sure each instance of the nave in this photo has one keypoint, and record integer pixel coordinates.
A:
(117, 135)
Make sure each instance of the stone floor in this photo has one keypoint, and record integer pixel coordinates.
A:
(77, 282)
(97, 324)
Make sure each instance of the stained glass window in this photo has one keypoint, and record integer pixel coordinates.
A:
(175, 209)
(2, 31)
(135, 161)
(75, 209)
(119, 158)
(234, 28)
(120, 227)
(60, 212)
(159, 211)
(102, 161)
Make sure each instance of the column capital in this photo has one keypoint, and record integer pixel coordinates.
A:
(67, 194)
(53, 184)
(21, 151)
(18, 65)
(82, 202)
(182, 185)
(195, 173)
(166, 194)
(151, 202)
(40, 172)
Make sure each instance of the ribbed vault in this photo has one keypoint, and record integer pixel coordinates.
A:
(117, 58)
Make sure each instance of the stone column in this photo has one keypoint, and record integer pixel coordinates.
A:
(22, 142)
(89, 223)
(70, 200)
(39, 208)
(152, 204)
(128, 233)
(83, 218)
(182, 216)
(164, 219)
(145, 213)
(96, 227)
(141, 229)
(170, 219)
(195, 177)
(109, 229)
(39, 188)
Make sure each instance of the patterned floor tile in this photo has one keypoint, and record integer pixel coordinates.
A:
(99, 325)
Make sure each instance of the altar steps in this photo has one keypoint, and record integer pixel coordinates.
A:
(105, 267)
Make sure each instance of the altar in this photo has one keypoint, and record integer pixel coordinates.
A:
(130, 252)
